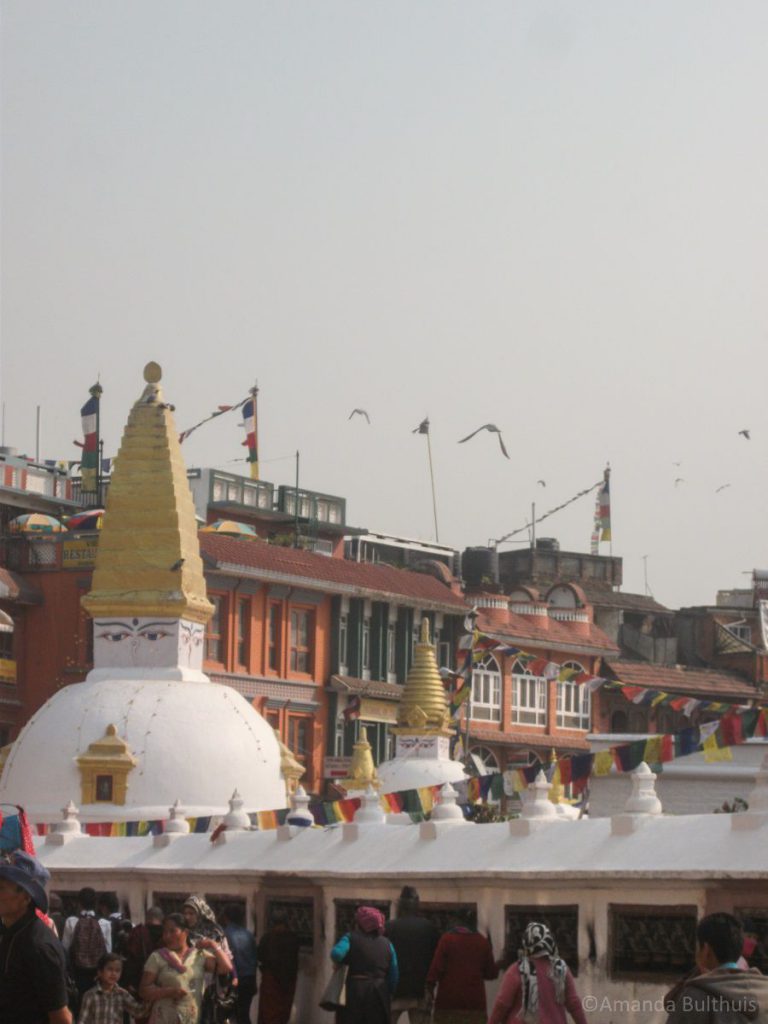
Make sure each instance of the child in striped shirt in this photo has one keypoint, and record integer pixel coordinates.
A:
(106, 1002)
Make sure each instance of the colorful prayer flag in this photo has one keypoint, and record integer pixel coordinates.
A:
(251, 433)
(89, 463)
(605, 506)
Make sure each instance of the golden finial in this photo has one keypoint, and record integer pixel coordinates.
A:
(423, 709)
(362, 770)
(148, 561)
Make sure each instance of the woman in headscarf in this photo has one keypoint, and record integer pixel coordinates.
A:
(373, 974)
(539, 988)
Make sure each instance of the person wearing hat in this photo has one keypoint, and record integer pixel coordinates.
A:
(415, 940)
(373, 971)
(33, 972)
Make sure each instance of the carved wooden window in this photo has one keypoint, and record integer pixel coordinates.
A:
(646, 941)
(562, 921)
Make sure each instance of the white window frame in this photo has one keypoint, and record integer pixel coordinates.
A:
(365, 648)
(391, 651)
(741, 630)
(343, 643)
(574, 707)
(529, 697)
(486, 690)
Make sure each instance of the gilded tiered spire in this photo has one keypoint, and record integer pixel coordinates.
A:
(362, 770)
(423, 709)
(148, 561)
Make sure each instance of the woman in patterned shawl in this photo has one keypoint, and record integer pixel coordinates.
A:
(539, 988)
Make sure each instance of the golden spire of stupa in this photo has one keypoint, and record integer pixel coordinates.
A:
(148, 561)
(423, 709)
(362, 770)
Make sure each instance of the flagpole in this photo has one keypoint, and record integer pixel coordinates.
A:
(432, 478)
(296, 509)
(96, 392)
(254, 395)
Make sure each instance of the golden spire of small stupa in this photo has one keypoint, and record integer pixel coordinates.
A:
(148, 561)
(362, 770)
(423, 709)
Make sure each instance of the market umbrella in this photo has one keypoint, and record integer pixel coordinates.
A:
(36, 522)
(90, 520)
(231, 527)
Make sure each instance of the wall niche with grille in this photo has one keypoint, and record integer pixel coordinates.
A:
(563, 922)
(299, 916)
(651, 941)
(441, 914)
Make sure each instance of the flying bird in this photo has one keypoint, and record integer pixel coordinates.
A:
(745, 434)
(721, 488)
(677, 463)
(359, 412)
(494, 430)
(679, 480)
(543, 483)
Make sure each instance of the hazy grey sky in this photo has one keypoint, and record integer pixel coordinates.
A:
(548, 215)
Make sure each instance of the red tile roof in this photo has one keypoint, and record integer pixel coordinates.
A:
(697, 682)
(336, 575)
(520, 630)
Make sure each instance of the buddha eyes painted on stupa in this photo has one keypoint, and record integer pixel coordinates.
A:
(137, 643)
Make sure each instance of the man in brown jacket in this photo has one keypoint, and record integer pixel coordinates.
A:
(723, 993)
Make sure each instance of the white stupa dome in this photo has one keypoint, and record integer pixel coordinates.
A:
(147, 727)
(195, 741)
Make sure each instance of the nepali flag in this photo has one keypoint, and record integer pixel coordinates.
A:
(251, 441)
(89, 463)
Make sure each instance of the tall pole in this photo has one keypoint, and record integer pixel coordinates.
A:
(296, 509)
(96, 391)
(255, 465)
(533, 526)
(432, 478)
(3, 427)
(37, 435)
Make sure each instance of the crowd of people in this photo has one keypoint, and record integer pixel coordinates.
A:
(188, 967)
(93, 966)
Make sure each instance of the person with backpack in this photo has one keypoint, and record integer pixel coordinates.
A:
(86, 939)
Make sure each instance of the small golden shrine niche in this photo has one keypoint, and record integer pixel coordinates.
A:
(104, 769)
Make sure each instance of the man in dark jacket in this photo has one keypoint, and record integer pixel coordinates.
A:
(33, 978)
(723, 993)
(415, 940)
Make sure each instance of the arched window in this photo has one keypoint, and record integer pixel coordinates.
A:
(486, 690)
(485, 757)
(529, 697)
(573, 703)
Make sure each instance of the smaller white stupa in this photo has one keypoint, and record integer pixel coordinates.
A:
(423, 731)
